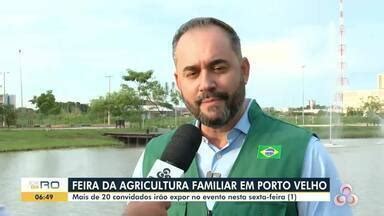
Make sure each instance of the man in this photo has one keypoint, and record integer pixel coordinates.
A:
(211, 75)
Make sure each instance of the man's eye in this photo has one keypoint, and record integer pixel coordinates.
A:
(220, 68)
(190, 73)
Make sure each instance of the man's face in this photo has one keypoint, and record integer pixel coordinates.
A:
(210, 76)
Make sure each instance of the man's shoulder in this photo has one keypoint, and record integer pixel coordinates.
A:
(154, 149)
(160, 141)
(286, 125)
(258, 117)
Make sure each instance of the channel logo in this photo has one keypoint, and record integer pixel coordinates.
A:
(346, 196)
(44, 184)
(34, 184)
(166, 173)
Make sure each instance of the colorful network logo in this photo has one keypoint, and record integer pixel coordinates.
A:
(346, 196)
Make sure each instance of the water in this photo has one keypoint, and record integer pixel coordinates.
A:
(95, 162)
(359, 164)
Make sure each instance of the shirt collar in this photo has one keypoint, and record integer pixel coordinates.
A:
(243, 124)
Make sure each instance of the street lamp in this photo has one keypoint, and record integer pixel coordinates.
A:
(21, 80)
(4, 73)
(4, 93)
(302, 113)
(109, 97)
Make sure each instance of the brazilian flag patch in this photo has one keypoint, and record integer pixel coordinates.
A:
(269, 152)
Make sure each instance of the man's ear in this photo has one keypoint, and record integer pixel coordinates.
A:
(245, 68)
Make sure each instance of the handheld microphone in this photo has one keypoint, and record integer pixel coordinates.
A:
(179, 153)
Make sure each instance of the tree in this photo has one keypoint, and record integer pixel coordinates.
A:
(73, 107)
(8, 114)
(372, 108)
(122, 104)
(373, 104)
(149, 90)
(354, 111)
(46, 103)
(98, 107)
(175, 95)
(26, 116)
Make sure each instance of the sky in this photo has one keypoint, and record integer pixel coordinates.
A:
(70, 47)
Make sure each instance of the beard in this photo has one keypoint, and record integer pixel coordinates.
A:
(232, 105)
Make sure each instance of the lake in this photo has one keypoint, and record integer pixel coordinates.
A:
(359, 162)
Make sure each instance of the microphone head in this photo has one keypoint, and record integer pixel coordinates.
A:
(183, 147)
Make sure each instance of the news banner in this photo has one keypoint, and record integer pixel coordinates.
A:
(175, 189)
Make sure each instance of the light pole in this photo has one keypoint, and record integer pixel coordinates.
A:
(4, 92)
(109, 97)
(21, 80)
(302, 73)
(4, 95)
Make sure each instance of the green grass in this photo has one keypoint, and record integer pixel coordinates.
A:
(349, 131)
(32, 139)
(17, 140)
(40, 138)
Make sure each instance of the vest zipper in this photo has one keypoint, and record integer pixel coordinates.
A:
(209, 212)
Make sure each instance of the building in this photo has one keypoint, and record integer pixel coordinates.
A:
(354, 98)
(155, 111)
(9, 99)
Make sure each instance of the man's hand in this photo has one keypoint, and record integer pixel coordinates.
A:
(146, 208)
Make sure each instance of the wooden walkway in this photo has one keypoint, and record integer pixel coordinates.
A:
(133, 138)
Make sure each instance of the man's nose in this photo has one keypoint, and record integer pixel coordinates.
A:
(207, 82)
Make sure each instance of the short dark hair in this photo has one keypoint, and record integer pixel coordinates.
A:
(206, 21)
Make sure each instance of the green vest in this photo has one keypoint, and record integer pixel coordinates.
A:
(264, 130)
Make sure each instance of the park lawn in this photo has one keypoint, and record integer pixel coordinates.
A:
(33, 139)
(19, 140)
(349, 131)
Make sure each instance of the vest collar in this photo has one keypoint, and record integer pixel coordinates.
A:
(254, 112)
